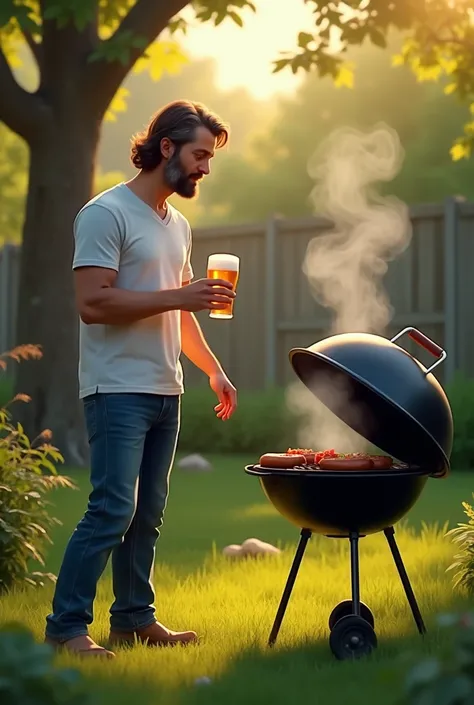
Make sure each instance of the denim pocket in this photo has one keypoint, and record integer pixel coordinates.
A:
(90, 414)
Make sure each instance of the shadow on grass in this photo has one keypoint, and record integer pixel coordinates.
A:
(307, 673)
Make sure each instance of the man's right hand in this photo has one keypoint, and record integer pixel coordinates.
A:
(205, 294)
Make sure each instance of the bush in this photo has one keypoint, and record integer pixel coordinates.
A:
(28, 675)
(6, 386)
(261, 422)
(463, 535)
(461, 397)
(27, 475)
(447, 679)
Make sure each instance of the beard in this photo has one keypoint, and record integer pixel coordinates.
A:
(176, 178)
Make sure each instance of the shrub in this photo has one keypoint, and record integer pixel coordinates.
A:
(27, 475)
(28, 675)
(463, 535)
(461, 397)
(260, 423)
(446, 679)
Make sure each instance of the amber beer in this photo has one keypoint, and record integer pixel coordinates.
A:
(225, 267)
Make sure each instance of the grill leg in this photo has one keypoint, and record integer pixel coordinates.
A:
(355, 583)
(390, 536)
(303, 542)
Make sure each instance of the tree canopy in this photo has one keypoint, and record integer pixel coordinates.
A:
(439, 44)
(114, 36)
(272, 176)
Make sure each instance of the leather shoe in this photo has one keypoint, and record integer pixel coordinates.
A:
(155, 634)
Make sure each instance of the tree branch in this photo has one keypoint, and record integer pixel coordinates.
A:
(146, 19)
(23, 112)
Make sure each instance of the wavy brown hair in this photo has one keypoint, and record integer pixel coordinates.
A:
(178, 121)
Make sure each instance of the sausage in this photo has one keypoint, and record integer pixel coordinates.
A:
(346, 464)
(308, 453)
(281, 460)
(382, 462)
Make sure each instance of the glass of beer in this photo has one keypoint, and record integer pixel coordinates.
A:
(222, 266)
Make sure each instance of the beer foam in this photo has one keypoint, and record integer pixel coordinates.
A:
(228, 263)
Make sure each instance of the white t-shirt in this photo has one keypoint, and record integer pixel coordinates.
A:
(117, 230)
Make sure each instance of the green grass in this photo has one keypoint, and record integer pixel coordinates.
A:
(232, 604)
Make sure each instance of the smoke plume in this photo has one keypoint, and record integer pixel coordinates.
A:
(346, 265)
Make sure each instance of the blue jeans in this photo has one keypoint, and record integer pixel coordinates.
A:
(132, 440)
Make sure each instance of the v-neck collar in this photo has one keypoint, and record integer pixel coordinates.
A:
(163, 221)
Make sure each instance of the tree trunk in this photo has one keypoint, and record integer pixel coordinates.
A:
(60, 182)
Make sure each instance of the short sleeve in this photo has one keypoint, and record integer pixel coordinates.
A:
(97, 238)
(188, 273)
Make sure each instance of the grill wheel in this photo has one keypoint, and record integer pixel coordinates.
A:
(344, 609)
(352, 638)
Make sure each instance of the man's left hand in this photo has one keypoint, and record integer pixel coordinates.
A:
(226, 393)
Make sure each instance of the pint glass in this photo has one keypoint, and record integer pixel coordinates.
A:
(226, 267)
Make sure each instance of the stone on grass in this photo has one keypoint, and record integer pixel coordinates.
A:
(195, 462)
(250, 548)
(232, 551)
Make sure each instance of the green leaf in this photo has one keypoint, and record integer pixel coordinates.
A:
(304, 39)
(280, 64)
(66, 12)
(423, 673)
(8, 10)
(237, 19)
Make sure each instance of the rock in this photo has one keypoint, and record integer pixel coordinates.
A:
(251, 547)
(195, 462)
(255, 547)
(232, 551)
(203, 680)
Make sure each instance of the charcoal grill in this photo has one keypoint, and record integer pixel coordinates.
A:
(387, 396)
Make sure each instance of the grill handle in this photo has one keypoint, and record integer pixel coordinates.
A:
(426, 343)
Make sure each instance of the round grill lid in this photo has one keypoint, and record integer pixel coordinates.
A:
(383, 393)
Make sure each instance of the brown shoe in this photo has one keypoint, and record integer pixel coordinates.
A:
(82, 645)
(154, 635)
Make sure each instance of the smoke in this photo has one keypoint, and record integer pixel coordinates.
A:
(346, 265)
(319, 428)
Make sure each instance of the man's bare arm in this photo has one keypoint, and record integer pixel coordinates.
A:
(99, 301)
(194, 344)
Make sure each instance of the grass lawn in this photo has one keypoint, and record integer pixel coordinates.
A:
(232, 605)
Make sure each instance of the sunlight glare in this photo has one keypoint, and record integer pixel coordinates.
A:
(245, 55)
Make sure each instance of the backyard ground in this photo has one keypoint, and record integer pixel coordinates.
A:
(232, 605)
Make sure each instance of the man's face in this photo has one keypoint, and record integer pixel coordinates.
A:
(188, 165)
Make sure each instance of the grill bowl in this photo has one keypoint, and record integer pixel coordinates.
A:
(335, 503)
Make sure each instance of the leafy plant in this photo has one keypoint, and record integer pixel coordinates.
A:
(463, 535)
(27, 475)
(438, 45)
(447, 679)
(28, 675)
(261, 422)
(461, 397)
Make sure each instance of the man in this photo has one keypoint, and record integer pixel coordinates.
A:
(136, 303)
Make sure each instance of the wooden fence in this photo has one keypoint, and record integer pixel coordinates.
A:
(430, 286)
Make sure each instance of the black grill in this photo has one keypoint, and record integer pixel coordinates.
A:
(403, 411)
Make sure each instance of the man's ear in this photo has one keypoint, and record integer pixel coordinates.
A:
(167, 147)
